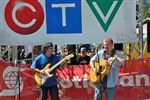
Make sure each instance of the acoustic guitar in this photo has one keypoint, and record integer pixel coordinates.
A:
(41, 79)
(104, 66)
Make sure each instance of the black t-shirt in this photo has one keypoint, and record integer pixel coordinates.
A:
(83, 60)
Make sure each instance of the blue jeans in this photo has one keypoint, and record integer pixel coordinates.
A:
(110, 92)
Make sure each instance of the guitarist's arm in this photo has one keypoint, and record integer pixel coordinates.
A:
(34, 68)
(62, 65)
(93, 67)
(38, 71)
(63, 61)
(118, 62)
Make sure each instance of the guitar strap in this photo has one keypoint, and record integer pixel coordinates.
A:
(51, 59)
(104, 81)
(113, 53)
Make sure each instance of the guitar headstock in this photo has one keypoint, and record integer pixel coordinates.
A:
(121, 54)
(69, 56)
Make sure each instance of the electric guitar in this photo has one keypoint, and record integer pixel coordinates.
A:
(104, 67)
(41, 79)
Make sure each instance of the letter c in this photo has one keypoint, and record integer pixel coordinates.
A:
(14, 15)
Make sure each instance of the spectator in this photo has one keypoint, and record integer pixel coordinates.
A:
(83, 58)
(21, 52)
(87, 46)
(67, 51)
(34, 52)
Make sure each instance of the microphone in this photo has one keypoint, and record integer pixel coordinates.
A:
(22, 53)
(96, 45)
(105, 54)
(104, 51)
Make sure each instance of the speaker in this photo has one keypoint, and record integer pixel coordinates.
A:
(118, 46)
(148, 36)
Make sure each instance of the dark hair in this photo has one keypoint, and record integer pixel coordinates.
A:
(46, 45)
(69, 48)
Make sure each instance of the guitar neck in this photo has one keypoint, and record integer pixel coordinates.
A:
(57, 64)
(111, 60)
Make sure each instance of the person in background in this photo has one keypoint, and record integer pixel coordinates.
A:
(87, 46)
(34, 52)
(83, 58)
(67, 51)
(21, 52)
(21, 55)
(5, 57)
(39, 63)
(110, 81)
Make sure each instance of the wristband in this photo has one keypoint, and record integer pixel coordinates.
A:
(93, 69)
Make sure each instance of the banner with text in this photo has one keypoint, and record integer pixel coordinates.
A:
(74, 82)
(27, 22)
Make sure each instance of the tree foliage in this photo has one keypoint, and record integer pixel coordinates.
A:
(146, 11)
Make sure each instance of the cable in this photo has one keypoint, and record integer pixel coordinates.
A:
(100, 73)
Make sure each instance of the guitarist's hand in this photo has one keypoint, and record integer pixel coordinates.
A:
(112, 59)
(117, 61)
(63, 63)
(43, 72)
(96, 71)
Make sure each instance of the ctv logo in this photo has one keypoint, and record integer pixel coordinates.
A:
(27, 16)
(24, 16)
(61, 16)
(104, 11)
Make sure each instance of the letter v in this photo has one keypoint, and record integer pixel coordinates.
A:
(105, 19)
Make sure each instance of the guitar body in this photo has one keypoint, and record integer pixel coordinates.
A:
(40, 78)
(95, 78)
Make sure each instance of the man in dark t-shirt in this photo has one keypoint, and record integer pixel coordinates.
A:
(83, 58)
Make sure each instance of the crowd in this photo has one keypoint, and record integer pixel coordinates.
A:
(82, 54)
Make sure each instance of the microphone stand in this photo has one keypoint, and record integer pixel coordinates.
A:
(100, 75)
(20, 62)
(18, 80)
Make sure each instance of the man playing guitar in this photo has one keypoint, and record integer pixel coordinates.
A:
(109, 81)
(39, 63)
